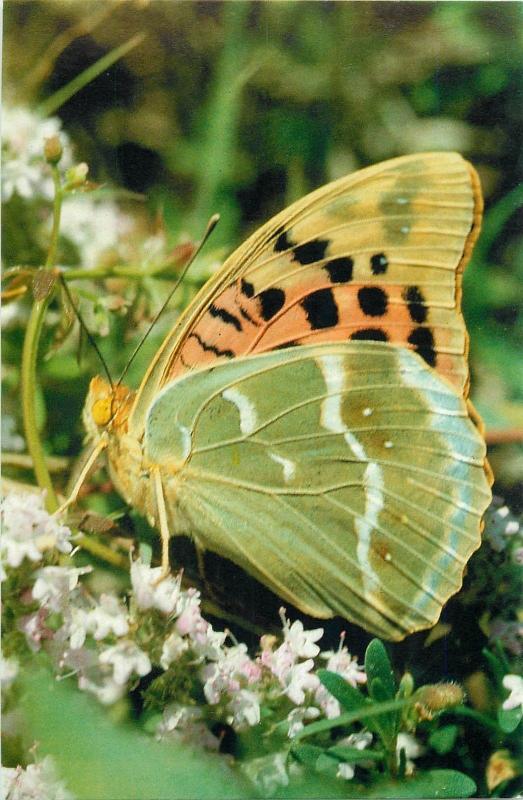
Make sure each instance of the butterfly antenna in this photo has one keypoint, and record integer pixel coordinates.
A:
(86, 330)
(208, 230)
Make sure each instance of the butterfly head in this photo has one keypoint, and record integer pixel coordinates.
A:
(106, 408)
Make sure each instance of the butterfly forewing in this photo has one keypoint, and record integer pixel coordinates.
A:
(374, 256)
(347, 477)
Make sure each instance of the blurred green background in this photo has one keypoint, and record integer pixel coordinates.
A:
(241, 107)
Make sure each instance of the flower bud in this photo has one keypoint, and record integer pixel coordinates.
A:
(53, 149)
(437, 697)
(76, 176)
(500, 768)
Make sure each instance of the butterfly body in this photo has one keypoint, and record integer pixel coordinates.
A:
(307, 417)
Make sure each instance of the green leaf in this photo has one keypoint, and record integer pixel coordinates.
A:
(435, 783)
(353, 754)
(509, 720)
(101, 759)
(377, 665)
(349, 698)
(365, 715)
(388, 722)
(444, 739)
(307, 754)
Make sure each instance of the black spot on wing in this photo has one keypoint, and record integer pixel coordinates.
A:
(373, 301)
(423, 343)
(282, 242)
(379, 263)
(321, 309)
(271, 301)
(245, 314)
(225, 316)
(370, 335)
(415, 304)
(340, 269)
(310, 252)
(210, 348)
(286, 345)
(247, 288)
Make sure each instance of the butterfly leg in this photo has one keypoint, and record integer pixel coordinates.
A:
(162, 522)
(100, 445)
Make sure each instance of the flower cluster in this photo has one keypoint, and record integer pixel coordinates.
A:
(25, 171)
(37, 781)
(99, 640)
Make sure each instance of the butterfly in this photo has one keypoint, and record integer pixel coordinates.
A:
(307, 416)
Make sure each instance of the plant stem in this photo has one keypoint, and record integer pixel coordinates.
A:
(29, 357)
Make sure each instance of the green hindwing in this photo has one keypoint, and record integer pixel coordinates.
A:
(346, 477)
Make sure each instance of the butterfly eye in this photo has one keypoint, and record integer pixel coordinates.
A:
(102, 411)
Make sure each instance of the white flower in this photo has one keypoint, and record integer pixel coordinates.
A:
(35, 782)
(411, 746)
(107, 691)
(299, 680)
(95, 227)
(11, 439)
(26, 180)
(514, 683)
(360, 741)
(245, 709)
(24, 169)
(126, 658)
(300, 641)
(347, 666)
(28, 529)
(269, 773)
(296, 718)
(164, 596)
(53, 585)
(105, 617)
(8, 671)
(172, 649)
(183, 723)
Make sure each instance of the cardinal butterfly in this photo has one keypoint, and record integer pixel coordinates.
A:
(307, 416)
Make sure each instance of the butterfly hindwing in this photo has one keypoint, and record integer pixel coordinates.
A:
(347, 477)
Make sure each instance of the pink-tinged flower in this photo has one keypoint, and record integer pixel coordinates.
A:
(126, 659)
(148, 593)
(35, 629)
(245, 709)
(280, 661)
(229, 674)
(514, 683)
(300, 641)
(344, 664)
(28, 530)
(190, 621)
(53, 585)
(36, 782)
